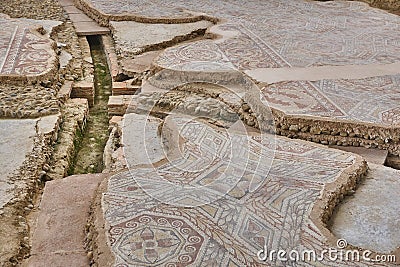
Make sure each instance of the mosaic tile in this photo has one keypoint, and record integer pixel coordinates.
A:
(23, 52)
(223, 228)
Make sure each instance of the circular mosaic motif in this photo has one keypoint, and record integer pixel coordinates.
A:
(154, 240)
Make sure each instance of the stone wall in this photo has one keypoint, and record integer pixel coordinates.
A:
(390, 5)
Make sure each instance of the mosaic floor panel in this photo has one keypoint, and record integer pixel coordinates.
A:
(178, 214)
(23, 50)
(227, 195)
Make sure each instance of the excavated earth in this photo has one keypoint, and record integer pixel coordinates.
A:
(200, 132)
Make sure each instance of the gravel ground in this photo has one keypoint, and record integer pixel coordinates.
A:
(33, 9)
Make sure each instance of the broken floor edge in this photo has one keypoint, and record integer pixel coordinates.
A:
(330, 198)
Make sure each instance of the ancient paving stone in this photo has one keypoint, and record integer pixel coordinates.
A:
(369, 218)
(375, 156)
(84, 28)
(84, 25)
(132, 38)
(226, 228)
(23, 51)
(59, 234)
(16, 142)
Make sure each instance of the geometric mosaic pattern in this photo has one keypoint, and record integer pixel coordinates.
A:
(303, 33)
(230, 230)
(24, 52)
(291, 33)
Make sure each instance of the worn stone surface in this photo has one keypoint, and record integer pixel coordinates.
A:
(373, 100)
(142, 147)
(337, 22)
(354, 102)
(215, 209)
(59, 234)
(17, 141)
(83, 24)
(139, 64)
(85, 28)
(24, 155)
(375, 156)
(369, 218)
(17, 101)
(134, 38)
(84, 89)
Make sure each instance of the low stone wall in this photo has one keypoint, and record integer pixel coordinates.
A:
(391, 5)
(27, 180)
(75, 113)
(329, 132)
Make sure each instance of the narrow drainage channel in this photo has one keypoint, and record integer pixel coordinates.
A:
(89, 151)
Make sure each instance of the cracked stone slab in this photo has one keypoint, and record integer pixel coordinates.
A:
(26, 50)
(16, 142)
(133, 38)
(369, 218)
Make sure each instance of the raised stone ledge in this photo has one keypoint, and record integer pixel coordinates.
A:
(103, 18)
(338, 132)
(333, 193)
